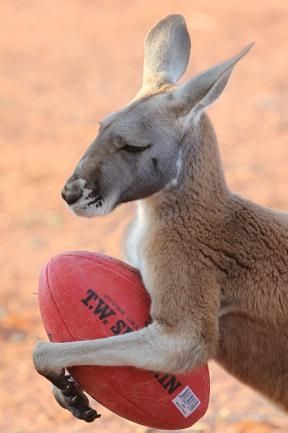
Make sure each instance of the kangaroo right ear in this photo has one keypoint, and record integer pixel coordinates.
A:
(190, 99)
(166, 53)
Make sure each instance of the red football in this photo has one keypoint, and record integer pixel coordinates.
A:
(86, 295)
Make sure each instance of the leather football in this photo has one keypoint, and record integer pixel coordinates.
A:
(84, 295)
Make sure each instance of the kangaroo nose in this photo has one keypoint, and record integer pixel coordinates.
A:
(71, 192)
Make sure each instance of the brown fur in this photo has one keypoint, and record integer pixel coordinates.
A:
(215, 264)
(230, 257)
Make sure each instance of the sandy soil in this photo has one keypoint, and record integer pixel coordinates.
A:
(63, 66)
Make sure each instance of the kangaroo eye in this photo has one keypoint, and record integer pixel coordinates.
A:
(134, 149)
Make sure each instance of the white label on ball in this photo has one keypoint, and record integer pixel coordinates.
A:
(186, 401)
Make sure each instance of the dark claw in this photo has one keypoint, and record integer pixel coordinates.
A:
(80, 399)
(74, 398)
(90, 415)
(70, 389)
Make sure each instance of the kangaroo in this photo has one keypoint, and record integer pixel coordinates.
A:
(215, 264)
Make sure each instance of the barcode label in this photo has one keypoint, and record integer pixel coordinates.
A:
(186, 401)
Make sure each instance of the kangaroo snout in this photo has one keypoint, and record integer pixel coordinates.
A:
(72, 191)
(83, 199)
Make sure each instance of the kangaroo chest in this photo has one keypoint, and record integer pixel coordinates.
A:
(135, 244)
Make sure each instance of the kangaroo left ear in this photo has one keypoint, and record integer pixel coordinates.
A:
(192, 98)
(166, 53)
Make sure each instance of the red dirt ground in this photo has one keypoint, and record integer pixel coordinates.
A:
(63, 66)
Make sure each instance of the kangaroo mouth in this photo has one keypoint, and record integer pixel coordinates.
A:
(92, 204)
(94, 198)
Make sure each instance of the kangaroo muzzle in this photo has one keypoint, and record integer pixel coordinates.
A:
(72, 191)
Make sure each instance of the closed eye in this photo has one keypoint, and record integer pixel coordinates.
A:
(135, 149)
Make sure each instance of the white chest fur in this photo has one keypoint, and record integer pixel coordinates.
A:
(135, 241)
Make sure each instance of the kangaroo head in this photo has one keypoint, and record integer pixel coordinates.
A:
(138, 149)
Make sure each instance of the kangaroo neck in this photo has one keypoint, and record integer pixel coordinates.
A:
(201, 182)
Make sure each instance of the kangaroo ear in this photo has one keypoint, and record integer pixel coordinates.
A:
(166, 52)
(193, 97)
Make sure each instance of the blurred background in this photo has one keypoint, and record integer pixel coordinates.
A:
(63, 66)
